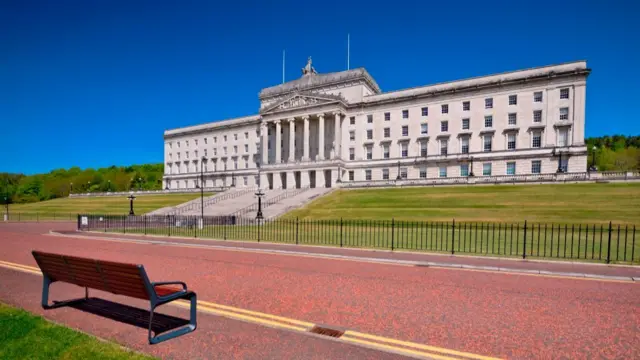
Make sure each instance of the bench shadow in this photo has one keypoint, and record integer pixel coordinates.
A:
(128, 314)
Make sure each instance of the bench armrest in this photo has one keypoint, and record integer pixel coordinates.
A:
(184, 286)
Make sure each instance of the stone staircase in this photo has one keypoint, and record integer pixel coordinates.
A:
(274, 205)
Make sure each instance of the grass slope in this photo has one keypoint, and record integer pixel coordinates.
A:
(566, 203)
(117, 205)
(26, 336)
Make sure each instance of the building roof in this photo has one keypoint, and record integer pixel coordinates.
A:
(317, 80)
(212, 125)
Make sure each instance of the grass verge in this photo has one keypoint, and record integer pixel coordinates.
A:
(27, 336)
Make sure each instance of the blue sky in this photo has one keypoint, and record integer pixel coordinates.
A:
(95, 83)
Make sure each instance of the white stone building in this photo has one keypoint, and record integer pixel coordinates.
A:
(337, 129)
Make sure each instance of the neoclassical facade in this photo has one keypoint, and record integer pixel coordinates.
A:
(326, 130)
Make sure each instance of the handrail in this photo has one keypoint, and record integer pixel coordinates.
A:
(213, 200)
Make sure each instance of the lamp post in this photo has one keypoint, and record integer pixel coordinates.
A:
(259, 194)
(70, 188)
(593, 158)
(139, 184)
(398, 177)
(202, 188)
(6, 204)
(560, 170)
(108, 185)
(131, 197)
(471, 173)
(89, 186)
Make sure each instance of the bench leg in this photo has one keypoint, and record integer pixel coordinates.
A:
(46, 284)
(177, 332)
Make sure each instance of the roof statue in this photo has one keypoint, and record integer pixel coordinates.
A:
(308, 69)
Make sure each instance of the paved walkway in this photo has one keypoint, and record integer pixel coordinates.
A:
(478, 312)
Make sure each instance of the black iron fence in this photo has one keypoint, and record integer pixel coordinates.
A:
(38, 216)
(585, 242)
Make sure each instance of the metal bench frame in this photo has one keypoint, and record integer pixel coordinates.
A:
(154, 298)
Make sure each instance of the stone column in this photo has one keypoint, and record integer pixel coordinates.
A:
(278, 141)
(292, 139)
(320, 180)
(264, 133)
(305, 137)
(336, 135)
(320, 137)
(291, 180)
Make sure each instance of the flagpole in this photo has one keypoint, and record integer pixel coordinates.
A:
(348, 50)
(283, 57)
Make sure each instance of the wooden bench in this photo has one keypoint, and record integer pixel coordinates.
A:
(117, 278)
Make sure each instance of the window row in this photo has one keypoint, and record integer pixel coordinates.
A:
(205, 152)
(235, 164)
(466, 106)
(464, 170)
(206, 140)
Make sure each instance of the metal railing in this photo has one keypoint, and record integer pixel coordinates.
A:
(38, 216)
(603, 242)
(195, 204)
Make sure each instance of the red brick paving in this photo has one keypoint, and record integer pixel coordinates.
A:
(510, 316)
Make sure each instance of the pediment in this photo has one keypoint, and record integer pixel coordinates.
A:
(300, 101)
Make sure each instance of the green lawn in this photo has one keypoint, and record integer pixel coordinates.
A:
(26, 336)
(566, 204)
(99, 205)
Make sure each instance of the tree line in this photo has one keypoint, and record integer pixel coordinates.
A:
(614, 153)
(20, 188)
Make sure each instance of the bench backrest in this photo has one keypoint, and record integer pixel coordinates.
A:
(117, 278)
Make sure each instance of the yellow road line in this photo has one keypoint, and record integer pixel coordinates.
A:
(354, 337)
(355, 334)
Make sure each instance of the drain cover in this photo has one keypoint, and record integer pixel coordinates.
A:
(321, 330)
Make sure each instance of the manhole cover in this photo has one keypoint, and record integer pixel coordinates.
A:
(326, 331)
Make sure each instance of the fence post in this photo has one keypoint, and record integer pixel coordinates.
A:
(453, 236)
(524, 245)
(224, 229)
(124, 223)
(78, 222)
(258, 220)
(296, 230)
(144, 223)
(392, 232)
(609, 245)
(340, 232)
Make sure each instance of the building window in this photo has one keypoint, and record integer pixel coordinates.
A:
(206, 141)
(537, 116)
(511, 168)
(537, 96)
(369, 134)
(445, 108)
(205, 153)
(170, 145)
(370, 119)
(536, 166)
(245, 180)
(187, 143)
(464, 145)
(425, 111)
(352, 135)
(196, 141)
(403, 173)
(246, 163)
(424, 129)
(195, 154)
(564, 113)
(387, 116)
(405, 130)
(465, 124)
(215, 151)
(512, 118)
(235, 164)
(488, 103)
(488, 121)
(367, 175)
(513, 99)
(369, 152)
(444, 126)
(352, 154)
(486, 169)
(187, 154)
(563, 135)
(351, 175)
(352, 120)
(178, 144)
(405, 114)
(385, 174)
(564, 93)
(511, 141)
(404, 149)
(387, 132)
(564, 165)
(235, 136)
(223, 138)
(444, 145)
(487, 143)
(246, 135)
(423, 149)
(385, 151)
(235, 149)
(246, 148)
(466, 105)
(464, 170)
(536, 141)
(442, 172)
(171, 156)
(423, 173)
